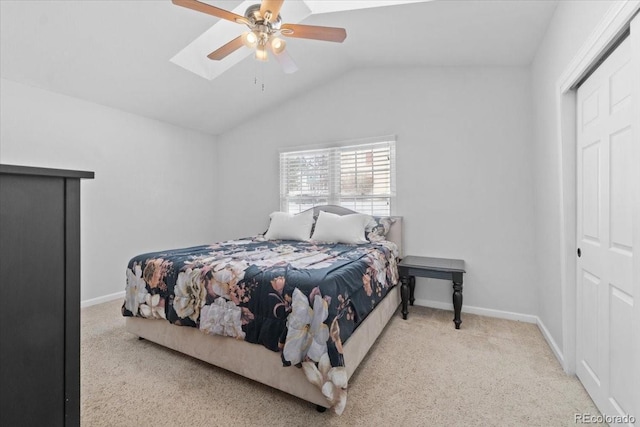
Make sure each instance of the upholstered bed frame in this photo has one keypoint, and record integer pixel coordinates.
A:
(261, 364)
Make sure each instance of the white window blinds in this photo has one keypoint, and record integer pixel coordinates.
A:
(358, 176)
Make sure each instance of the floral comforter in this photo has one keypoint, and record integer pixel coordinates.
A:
(301, 299)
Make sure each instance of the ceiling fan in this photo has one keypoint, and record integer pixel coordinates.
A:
(265, 24)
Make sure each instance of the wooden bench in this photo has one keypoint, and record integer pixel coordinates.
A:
(433, 268)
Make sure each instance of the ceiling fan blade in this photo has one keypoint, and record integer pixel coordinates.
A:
(286, 62)
(273, 6)
(211, 10)
(227, 49)
(330, 34)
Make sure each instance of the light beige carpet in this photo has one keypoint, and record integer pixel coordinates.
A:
(420, 372)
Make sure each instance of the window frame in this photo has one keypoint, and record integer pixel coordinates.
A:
(331, 193)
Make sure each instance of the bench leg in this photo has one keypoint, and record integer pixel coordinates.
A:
(404, 295)
(457, 299)
(412, 289)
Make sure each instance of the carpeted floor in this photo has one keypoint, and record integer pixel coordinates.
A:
(420, 372)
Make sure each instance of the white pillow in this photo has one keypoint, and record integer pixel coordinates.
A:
(341, 229)
(286, 226)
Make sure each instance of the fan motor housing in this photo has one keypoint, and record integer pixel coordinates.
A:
(253, 14)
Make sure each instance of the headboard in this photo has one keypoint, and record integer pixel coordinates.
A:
(395, 232)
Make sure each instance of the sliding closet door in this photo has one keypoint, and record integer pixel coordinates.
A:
(605, 194)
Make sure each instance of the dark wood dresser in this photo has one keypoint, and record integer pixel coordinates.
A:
(40, 296)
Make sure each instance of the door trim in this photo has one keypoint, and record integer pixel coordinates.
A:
(635, 62)
(615, 22)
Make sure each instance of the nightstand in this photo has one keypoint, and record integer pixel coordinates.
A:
(434, 268)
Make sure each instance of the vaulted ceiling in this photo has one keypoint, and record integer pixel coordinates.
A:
(117, 53)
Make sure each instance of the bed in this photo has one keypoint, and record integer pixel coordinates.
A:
(296, 314)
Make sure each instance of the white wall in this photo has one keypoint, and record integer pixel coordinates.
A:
(571, 25)
(154, 186)
(464, 181)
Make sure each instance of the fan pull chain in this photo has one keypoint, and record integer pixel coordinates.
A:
(255, 75)
(255, 72)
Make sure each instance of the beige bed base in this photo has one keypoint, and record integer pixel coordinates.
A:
(260, 364)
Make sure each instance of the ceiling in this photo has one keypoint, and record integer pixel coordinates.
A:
(116, 53)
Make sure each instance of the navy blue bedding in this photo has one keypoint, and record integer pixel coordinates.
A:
(244, 288)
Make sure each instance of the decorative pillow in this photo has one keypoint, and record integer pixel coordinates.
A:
(378, 229)
(286, 226)
(340, 229)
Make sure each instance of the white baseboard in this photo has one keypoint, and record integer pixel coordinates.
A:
(99, 300)
(489, 312)
(552, 343)
(500, 314)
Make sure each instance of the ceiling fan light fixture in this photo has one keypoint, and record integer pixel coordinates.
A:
(261, 52)
(265, 25)
(250, 39)
(278, 45)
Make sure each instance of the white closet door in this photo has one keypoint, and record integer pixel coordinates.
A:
(605, 187)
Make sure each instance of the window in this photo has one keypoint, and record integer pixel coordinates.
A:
(358, 176)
